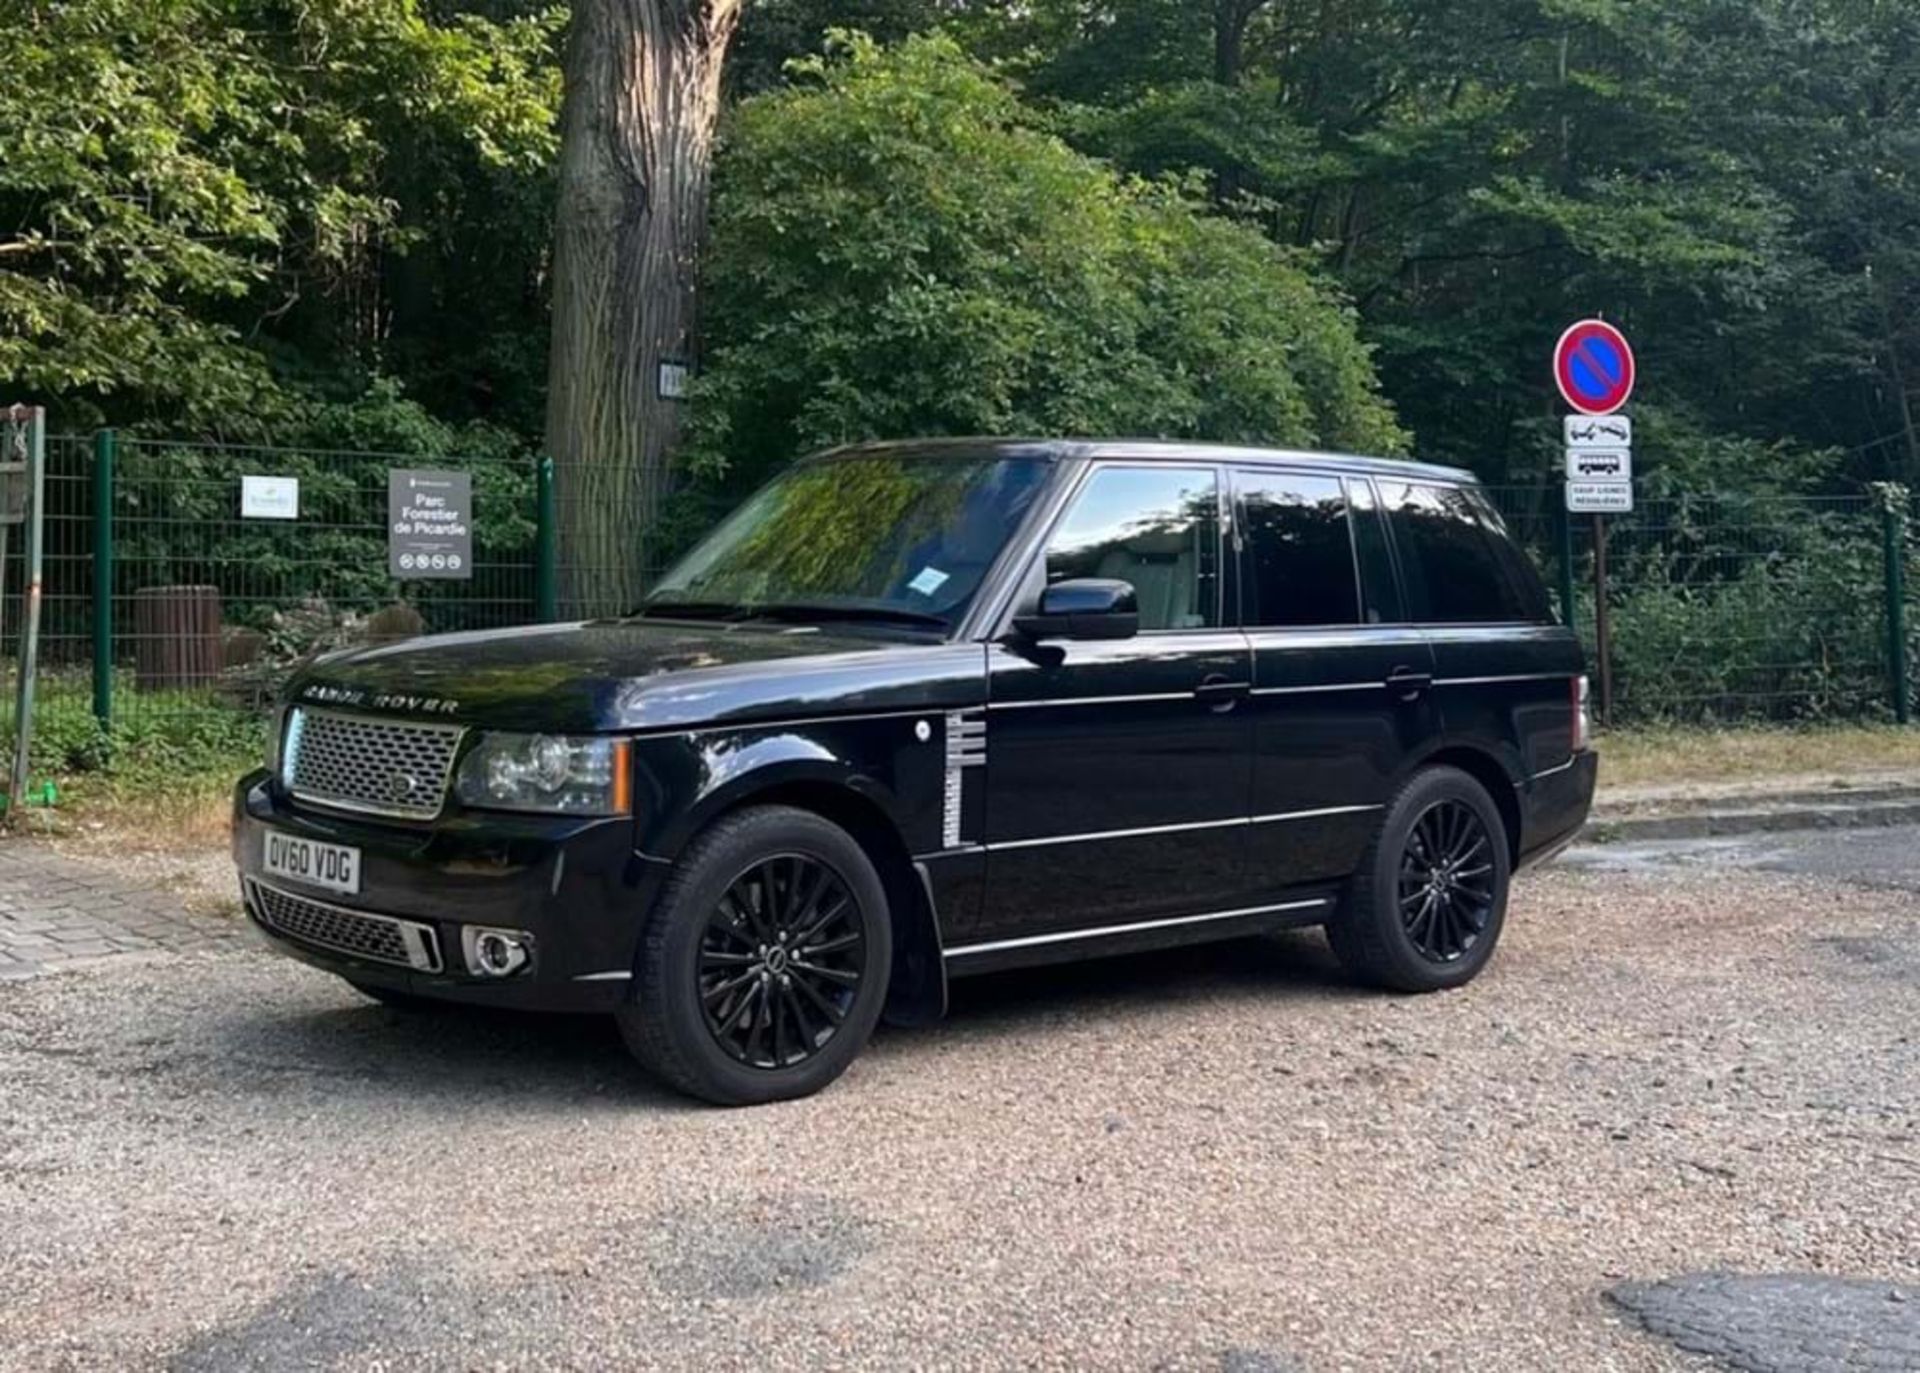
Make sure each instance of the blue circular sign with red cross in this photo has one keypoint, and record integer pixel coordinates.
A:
(1594, 366)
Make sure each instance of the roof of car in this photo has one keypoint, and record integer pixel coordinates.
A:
(1148, 450)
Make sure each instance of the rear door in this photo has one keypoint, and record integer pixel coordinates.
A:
(1342, 677)
(1504, 671)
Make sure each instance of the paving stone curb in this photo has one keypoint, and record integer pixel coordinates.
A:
(1757, 814)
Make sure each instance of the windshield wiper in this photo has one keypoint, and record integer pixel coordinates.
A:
(690, 610)
(803, 610)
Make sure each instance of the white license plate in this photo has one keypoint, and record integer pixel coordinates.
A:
(333, 866)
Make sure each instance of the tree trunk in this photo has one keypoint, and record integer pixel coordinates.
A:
(642, 97)
(1230, 38)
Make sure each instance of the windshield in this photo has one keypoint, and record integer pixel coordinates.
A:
(893, 537)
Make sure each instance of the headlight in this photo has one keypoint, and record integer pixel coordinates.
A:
(546, 772)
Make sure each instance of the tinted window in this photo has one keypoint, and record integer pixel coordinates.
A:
(1454, 570)
(1378, 589)
(1521, 573)
(1156, 527)
(1296, 551)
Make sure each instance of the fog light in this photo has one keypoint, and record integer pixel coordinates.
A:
(495, 953)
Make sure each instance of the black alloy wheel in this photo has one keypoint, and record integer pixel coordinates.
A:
(763, 964)
(1424, 910)
(781, 961)
(1446, 882)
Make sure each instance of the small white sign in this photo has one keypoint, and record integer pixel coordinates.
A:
(1600, 498)
(269, 498)
(1599, 431)
(673, 380)
(1599, 464)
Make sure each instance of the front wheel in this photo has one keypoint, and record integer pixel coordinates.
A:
(763, 966)
(1426, 908)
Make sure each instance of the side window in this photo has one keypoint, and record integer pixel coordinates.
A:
(1156, 527)
(1454, 572)
(1378, 590)
(1296, 562)
(1522, 575)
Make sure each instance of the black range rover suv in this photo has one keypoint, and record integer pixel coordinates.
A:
(921, 710)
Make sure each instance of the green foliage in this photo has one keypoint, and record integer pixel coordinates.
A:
(175, 738)
(1737, 181)
(898, 250)
(185, 182)
(1795, 634)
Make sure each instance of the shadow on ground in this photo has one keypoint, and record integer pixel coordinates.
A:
(531, 1061)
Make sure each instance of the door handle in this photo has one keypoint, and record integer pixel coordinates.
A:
(1221, 693)
(1408, 684)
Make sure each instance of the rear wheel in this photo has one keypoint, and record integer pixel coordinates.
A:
(1426, 908)
(763, 967)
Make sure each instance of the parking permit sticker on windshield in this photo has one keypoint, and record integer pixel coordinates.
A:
(930, 580)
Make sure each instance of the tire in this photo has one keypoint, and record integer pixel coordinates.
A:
(1424, 911)
(396, 1000)
(715, 1011)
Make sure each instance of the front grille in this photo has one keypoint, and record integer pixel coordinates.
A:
(358, 762)
(376, 938)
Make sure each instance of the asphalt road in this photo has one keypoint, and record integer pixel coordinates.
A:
(1882, 859)
(1683, 1063)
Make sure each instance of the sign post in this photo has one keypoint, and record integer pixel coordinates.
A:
(1593, 365)
(26, 427)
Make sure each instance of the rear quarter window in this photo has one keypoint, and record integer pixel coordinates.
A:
(1459, 564)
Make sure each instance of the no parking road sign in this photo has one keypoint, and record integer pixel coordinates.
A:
(1594, 366)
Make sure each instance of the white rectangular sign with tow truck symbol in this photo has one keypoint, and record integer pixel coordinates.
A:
(1599, 431)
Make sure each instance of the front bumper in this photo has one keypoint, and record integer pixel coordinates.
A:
(576, 886)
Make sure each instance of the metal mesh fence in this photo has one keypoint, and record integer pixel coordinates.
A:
(210, 609)
(1731, 607)
(1724, 607)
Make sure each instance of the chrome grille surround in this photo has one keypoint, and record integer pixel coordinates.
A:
(359, 934)
(373, 764)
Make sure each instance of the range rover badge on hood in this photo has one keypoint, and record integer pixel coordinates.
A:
(325, 694)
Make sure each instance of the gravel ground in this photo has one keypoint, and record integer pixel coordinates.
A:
(1221, 1159)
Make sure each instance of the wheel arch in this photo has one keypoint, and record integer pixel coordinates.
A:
(1490, 773)
(916, 984)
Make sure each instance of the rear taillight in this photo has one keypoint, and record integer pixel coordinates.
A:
(1582, 716)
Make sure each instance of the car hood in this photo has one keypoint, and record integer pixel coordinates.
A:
(635, 675)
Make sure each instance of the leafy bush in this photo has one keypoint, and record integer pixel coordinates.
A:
(174, 738)
(1743, 608)
(898, 249)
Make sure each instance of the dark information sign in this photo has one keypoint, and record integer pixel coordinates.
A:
(429, 524)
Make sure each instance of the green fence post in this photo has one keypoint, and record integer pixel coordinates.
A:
(546, 546)
(1566, 568)
(103, 453)
(1893, 517)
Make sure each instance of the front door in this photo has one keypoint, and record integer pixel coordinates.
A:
(1118, 772)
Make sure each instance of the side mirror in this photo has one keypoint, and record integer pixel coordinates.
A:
(1085, 608)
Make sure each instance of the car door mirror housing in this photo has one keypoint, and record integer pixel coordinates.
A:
(1084, 608)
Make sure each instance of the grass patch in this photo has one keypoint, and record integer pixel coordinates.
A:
(160, 778)
(1676, 756)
